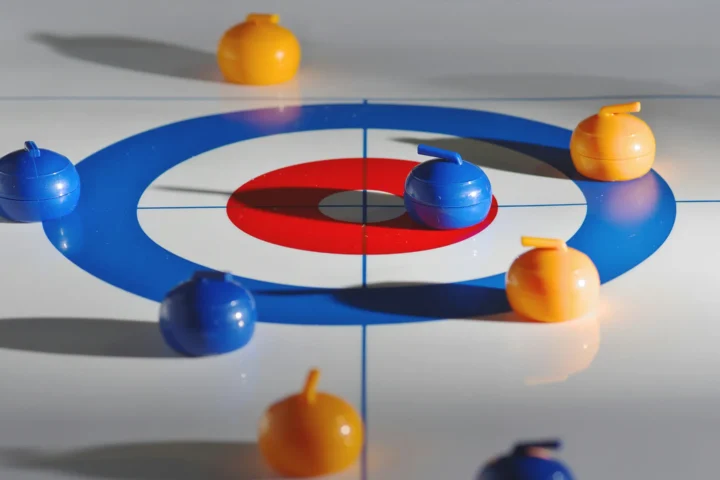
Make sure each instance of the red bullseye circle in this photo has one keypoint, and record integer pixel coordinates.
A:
(282, 207)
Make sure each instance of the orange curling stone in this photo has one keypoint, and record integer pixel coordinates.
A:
(259, 51)
(613, 145)
(311, 433)
(552, 282)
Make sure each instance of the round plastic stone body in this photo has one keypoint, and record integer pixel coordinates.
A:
(447, 193)
(210, 314)
(37, 185)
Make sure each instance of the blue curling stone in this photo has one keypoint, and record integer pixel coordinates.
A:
(210, 314)
(523, 464)
(447, 192)
(37, 185)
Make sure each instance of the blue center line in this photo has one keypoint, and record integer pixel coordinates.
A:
(364, 204)
(363, 402)
(181, 207)
(365, 207)
(363, 343)
(239, 98)
(531, 205)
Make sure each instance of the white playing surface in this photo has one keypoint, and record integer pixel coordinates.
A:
(89, 391)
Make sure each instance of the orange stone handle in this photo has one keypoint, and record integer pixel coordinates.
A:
(309, 392)
(543, 243)
(632, 107)
(263, 18)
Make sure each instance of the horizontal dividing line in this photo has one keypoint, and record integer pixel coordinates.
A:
(198, 207)
(50, 98)
(183, 207)
(100, 98)
(532, 205)
(528, 205)
(554, 99)
(267, 206)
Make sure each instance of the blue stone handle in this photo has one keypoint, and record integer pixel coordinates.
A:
(32, 149)
(547, 444)
(440, 153)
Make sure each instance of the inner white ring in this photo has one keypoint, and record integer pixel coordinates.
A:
(195, 192)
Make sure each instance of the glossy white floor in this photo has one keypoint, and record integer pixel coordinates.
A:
(90, 391)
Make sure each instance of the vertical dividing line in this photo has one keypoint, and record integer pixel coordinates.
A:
(364, 205)
(363, 364)
(363, 405)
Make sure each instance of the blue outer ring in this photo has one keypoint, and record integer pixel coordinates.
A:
(103, 236)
